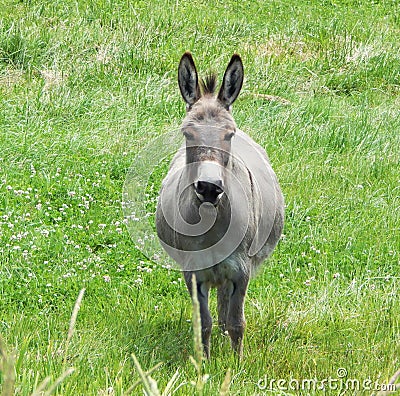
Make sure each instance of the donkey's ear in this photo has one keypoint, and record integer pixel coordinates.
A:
(232, 82)
(188, 80)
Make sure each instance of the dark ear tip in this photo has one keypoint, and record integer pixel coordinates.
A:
(187, 55)
(236, 58)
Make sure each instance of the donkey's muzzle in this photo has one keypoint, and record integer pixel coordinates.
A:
(209, 191)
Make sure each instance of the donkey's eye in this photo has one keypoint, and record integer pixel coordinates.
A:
(229, 136)
(188, 135)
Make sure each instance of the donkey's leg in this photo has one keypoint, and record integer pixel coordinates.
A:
(236, 322)
(224, 293)
(206, 320)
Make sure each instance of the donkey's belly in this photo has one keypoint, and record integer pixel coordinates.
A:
(220, 273)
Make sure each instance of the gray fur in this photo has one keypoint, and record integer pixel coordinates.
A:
(199, 227)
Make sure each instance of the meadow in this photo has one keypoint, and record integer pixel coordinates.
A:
(86, 85)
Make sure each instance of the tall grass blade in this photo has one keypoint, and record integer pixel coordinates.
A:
(7, 368)
(198, 345)
(58, 381)
(149, 385)
(391, 386)
(39, 391)
(72, 323)
(147, 373)
(226, 384)
(171, 383)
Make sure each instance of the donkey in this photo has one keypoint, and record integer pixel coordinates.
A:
(220, 211)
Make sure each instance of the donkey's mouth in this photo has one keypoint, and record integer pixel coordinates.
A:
(214, 202)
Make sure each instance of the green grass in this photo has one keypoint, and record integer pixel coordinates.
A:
(85, 85)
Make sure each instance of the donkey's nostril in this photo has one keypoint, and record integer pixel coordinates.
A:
(209, 191)
(200, 187)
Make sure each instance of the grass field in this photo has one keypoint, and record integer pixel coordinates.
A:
(85, 85)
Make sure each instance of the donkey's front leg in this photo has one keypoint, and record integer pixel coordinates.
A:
(236, 322)
(206, 321)
(224, 293)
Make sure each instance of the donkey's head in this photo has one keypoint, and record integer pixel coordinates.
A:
(209, 126)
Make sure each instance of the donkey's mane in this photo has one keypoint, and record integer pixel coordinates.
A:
(209, 84)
